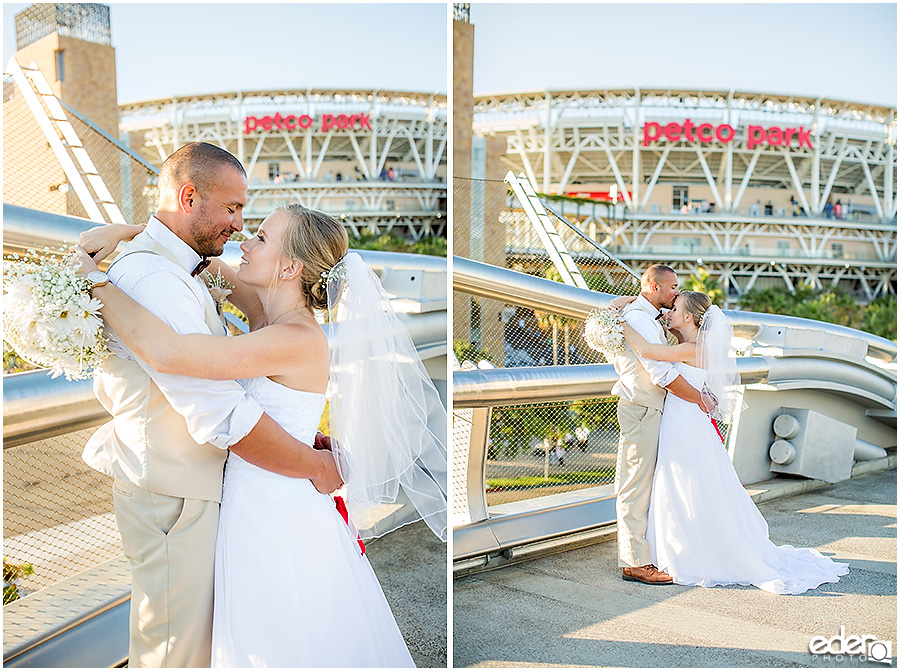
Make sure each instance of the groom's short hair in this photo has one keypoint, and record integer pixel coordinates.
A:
(655, 274)
(196, 163)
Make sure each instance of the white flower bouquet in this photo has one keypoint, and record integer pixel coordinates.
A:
(49, 317)
(603, 331)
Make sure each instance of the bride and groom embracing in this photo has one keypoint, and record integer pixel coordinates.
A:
(278, 576)
(682, 514)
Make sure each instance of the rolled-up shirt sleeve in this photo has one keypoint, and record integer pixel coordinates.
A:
(662, 373)
(216, 411)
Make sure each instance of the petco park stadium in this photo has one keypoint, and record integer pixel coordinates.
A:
(377, 159)
(760, 189)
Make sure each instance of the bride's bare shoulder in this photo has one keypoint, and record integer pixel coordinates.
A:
(303, 351)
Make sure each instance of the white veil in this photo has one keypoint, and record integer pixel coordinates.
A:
(716, 356)
(386, 415)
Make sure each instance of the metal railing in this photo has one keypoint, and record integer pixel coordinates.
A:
(58, 512)
(508, 495)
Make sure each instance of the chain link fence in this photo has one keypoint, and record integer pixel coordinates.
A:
(533, 450)
(57, 510)
(542, 449)
(34, 178)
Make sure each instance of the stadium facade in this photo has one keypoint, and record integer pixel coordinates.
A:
(759, 189)
(377, 159)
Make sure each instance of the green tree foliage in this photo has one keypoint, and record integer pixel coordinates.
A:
(831, 306)
(702, 281)
(430, 245)
(880, 317)
(469, 351)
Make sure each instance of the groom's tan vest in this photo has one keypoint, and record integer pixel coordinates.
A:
(634, 383)
(147, 443)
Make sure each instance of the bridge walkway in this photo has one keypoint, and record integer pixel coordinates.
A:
(573, 608)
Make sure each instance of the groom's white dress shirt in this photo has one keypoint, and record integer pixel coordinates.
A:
(641, 316)
(216, 411)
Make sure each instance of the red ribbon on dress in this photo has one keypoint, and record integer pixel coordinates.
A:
(342, 509)
(716, 427)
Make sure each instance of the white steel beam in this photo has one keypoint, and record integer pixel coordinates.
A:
(709, 179)
(744, 182)
(653, 180)
(873, 190)
(798, 185)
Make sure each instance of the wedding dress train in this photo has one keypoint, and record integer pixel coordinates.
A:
(704, 529)
(291, 587)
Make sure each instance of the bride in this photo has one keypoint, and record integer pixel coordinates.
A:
(293, 587)
(704, 529)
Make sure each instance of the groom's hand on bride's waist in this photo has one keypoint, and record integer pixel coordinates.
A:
(322, 442)
(708, 402)
(329, 479)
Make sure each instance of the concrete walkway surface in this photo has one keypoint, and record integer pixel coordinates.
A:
(573, 608)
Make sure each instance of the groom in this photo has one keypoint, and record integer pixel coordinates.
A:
(642, 389)
(167, 442)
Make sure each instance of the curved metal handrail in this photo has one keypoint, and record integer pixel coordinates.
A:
(25, 229)
(487, 281)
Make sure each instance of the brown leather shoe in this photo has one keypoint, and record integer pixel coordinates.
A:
(649, 575)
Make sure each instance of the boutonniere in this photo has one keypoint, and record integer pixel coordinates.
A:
(218, 286)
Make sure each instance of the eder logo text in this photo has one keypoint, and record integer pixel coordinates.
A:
(865, 647)
(705, 133)
(304, 121)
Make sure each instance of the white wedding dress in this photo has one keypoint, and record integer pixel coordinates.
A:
(704, 528)
(291, 586)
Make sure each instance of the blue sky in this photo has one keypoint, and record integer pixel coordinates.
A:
(174, 49)
(843, 51)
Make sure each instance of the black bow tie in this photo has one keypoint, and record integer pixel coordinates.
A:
(204, 262)
(661, 317)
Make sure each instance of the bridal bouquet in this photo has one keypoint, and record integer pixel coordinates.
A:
(49, 317)
(603, 331)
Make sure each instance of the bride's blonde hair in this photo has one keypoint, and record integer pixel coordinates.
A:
(319, 241)
(696, 303)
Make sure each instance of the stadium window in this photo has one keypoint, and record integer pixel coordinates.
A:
(784, 247)
(679, 197)
(60, 72)
(274, 171)
(837, 250)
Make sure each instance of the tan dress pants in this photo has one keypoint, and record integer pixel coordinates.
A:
(636, 461)
(170, 544)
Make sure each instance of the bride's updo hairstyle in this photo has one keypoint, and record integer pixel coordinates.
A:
(319, 241)
(696, 303)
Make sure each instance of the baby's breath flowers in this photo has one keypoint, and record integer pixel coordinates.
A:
(49, 317)
(603, 331)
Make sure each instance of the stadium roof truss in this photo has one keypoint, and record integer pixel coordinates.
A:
(390, 129)
(563, 139)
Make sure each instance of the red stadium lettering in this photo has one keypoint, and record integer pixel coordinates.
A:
(688, 127)
(672, 131)
(755, 136)
(803, 138)
(705, 133)
(725, 133)
(652, 132)
(775, 137)
(292, 122)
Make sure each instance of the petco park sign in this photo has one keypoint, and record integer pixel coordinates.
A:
(724, 133)
(304, 121)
